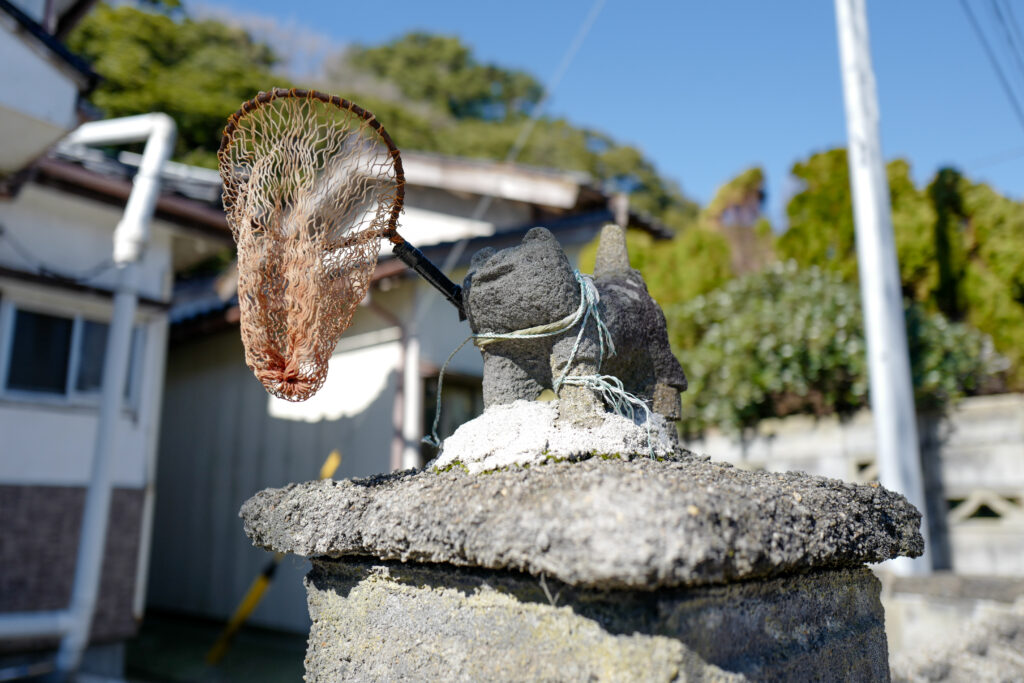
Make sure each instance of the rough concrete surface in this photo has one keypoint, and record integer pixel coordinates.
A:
(374, 621)
(601, 522)
(989, 649)
(532, 434)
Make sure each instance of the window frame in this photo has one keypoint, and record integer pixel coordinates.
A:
(71, 397)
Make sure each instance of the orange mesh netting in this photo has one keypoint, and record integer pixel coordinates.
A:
(311, 185)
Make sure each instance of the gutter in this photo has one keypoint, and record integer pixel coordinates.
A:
(398, 416)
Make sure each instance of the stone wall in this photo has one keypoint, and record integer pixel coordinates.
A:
(925, 611)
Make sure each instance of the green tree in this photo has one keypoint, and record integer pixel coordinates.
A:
(993, 283)
(950, 256)
(736, 213)
(442, 71)
(695, 261)
(820, 231)
(458, 106)
(960, 245)
(198, 72)
(702, 257)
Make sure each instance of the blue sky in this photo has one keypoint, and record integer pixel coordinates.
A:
(708, 89)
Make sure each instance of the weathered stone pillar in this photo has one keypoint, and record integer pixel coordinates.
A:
(602, 569)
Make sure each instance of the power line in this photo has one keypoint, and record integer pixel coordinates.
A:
(1011, 41)
(995, 159)
(995, 63)
(1014, 25)
(524, 134)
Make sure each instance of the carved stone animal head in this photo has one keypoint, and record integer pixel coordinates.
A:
(519, 287)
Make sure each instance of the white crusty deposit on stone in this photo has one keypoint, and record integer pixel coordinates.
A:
(527, 433)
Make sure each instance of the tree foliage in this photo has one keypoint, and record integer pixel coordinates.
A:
(442, 71)
(196, 71)
(695, 261)
(430, 91)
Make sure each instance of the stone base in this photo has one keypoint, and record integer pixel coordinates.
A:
(375, 620)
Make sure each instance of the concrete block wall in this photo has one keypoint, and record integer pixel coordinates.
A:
(973, 461)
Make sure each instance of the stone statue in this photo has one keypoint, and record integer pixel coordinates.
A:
(533, 284)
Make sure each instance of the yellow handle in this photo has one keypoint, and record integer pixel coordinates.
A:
(330, 464)
(260, 584)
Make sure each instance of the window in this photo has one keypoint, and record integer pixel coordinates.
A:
(39, 353)
(59, 357)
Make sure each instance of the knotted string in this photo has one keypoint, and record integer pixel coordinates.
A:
(609, 387)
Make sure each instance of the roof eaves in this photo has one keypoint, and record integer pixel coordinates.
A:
(70, 17)
(190, 214)
(578, 177)
(574, 229)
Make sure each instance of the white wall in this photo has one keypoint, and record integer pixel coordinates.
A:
(71, 235)
(38, 102)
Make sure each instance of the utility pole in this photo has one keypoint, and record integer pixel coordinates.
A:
(891, 390)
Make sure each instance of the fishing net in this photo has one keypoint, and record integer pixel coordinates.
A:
(312, 183)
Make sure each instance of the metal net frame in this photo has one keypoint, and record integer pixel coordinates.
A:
(312, 184)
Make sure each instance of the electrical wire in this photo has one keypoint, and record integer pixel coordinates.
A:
(1008, 36)
(996, 159)
(1014, 25)
(995, 62)
(524, 134)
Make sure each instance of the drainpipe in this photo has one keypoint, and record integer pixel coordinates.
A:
(130, 239)
(398, 407)
(412, 420)
(151, 403)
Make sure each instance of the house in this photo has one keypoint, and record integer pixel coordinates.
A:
(223, 438)
(57, 218)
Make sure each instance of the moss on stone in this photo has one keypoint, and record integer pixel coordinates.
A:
(453, 465)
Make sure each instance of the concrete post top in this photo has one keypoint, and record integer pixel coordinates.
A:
(601, 522)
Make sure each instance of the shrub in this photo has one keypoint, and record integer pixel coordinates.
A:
(786, 341)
